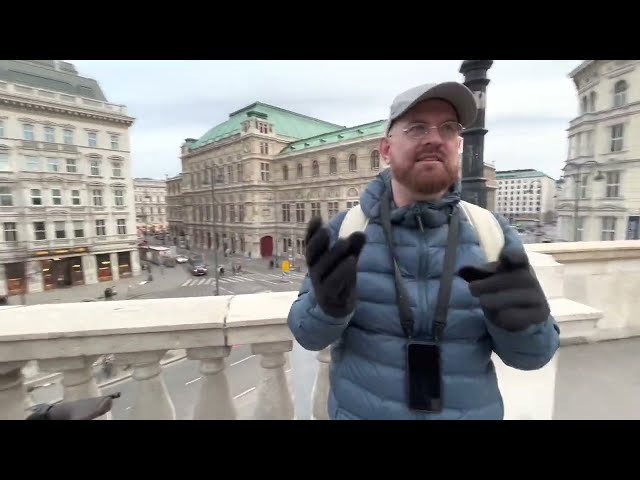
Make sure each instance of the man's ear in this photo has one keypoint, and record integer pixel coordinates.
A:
(460, 145)
(385, 149)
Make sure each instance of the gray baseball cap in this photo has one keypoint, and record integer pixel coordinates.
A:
(457, 94)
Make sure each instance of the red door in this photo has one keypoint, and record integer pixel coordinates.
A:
(266, 246)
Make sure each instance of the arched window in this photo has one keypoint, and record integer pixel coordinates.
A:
(315, 169)
(285, 172)
(299, 170)
(353, 163)
(375, 160)
(333, 166)
(620, 94)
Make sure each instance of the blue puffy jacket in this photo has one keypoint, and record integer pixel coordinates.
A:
(367, 372)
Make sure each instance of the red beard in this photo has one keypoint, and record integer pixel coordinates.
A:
(427, 178)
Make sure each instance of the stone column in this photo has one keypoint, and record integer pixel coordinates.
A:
(13, 395)
(77, 377)
(152, 401)
(115, 269)
(90, 268)
(135, 262)
(35, 280)
(3, 281)
(322, 387)
(215, 402)
(274, 400)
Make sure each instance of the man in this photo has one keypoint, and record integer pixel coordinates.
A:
(398, 351)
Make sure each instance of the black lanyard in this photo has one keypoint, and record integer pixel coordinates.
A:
(444, 293)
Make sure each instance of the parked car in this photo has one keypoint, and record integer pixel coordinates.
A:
(181, 259)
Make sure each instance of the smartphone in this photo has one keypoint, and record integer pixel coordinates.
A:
(424, 376)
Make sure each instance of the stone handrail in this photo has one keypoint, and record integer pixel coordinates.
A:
(604, 275)
(68, 338)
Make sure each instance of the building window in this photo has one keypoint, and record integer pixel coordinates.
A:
(264, 148)
(315, 169)
(300, 170)
(71, 166)
(33, 163)
(315, 209)
(608, 229)
(78, 229)
(95, 168)
(352, 204)
(68, 137)
(115, 142)
(10, 232)
(27, 130)
(300, 212)
(117, 169)
(617, 136)
(97, 197)
(239, 172)
(39, 231)
(60, 229)
(375, 160)
(75, 197)
(592, 102)
(286, 212)
(620, 94)
(332, 209)
(49, 135)
(241, 213)
(353, 163)
(36, 197)
(53, 165)
(613, 185)
(56, 196)
(333, 166)
(230, 173)
(264, 171)
(232, 213)
(101, 230)
(285, 172)
(4, 161)
(122, 226)
(263, 127)
(6, 198)
(119, 197)
(92, 139)
(1, 128)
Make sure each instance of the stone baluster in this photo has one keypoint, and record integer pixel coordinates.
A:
(12, 391)
(274, 399)
(77, 378)
(215, 402)
(152, 400)
(320, 392)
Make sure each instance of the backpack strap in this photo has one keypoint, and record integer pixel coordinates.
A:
(354, 221)
(488, 229)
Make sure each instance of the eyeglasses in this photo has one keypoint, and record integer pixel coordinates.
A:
(447, 130)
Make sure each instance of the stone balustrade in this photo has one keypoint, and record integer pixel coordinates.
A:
(67, 338)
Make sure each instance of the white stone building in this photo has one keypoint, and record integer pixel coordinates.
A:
(151, 204)
(66, 191)
(600, 195)
(525, 195)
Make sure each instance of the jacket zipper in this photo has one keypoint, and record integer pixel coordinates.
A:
(423, 306)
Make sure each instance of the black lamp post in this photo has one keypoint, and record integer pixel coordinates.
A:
(474, 183)
(214, 179)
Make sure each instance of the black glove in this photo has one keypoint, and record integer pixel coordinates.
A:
(333, 271)
(509, 292)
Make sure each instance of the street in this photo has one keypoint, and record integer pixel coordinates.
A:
(590, 383)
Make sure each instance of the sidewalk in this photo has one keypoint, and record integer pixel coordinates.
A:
(125, 288)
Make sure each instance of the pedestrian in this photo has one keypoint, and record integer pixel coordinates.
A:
(406, 295)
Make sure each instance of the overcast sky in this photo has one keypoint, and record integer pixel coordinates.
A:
(529, 103)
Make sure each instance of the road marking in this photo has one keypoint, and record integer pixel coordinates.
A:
(244, 393)
(192, 381)
(186, 283)
(202, 281)
(128, 408)
(240, 361)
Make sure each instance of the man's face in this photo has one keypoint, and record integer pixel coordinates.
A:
(425, 164)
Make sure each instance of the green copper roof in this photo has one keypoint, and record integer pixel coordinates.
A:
(286, 124)
(525, 173)
(359, 131)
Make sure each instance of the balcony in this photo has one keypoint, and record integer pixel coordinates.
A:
(581, 281)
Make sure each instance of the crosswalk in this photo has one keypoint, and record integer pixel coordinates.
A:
(272, 278)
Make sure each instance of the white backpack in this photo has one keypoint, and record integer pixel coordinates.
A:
(486, 225)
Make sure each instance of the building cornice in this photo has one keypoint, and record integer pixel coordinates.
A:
(36, 106)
